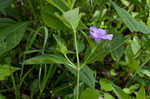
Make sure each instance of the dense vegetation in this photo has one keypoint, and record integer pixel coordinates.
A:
(74, 49)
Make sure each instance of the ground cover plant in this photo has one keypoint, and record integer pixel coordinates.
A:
(74, 49)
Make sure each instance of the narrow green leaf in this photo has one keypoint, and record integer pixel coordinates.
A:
(6, 70)
(120, 94)
(141, 94)
(47, 59)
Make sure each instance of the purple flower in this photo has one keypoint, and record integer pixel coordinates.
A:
(97, 34)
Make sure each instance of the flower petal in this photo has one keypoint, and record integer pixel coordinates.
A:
(108, 36)
(97, 34)
(97, 30)
(101, 31)
(98, 39)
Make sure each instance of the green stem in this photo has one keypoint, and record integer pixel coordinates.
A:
(76, 47)
(32, 9)
(78, 83)
(15, 87)
(78, 64)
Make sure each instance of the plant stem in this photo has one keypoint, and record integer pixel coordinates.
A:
(78, 85)
(78, 65)
(17, 93)
(32, 8)
(76, 47)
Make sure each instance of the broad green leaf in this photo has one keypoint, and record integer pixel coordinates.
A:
(59, 4)
(132, 62)
(47, 59)
(5, 3)
(135, 46)
(4, 22)
(148, 20)
(34, 87)
(118, 53)
(116, 42)
(131, 89)
(130, 22)
(125, 2)
(86, 76)
(105, 84)
(141, 94)
(116, 46)
(95, 53)
(2, 97)
(145, 71)
(120, 94)
(72, 17)
(61, 44)
(49, 17)
(99, 51)
(80, 45)
(6, 70)
(108, 96)
(90, 94)
(62, 90)
(11, 36)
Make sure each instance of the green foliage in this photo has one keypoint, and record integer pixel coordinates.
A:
(108, 96)
(6, 70)
(86, 76)
(141, 94)
(130, 22)
(120, 94)
(90, 94)
(11, 36)
(2, 97)
(61, 44)
(5, 3)
(135, 45)
(50, 42)
(72, 17)
(47, 59)
(105, 84)
(48, 14)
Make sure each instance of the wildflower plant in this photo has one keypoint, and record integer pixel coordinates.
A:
(60, 51)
